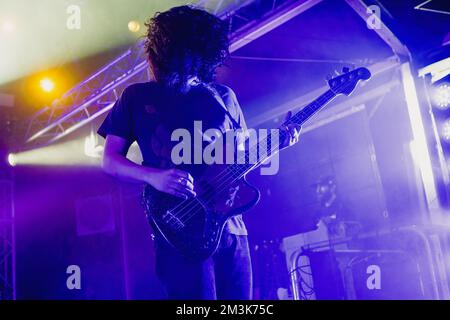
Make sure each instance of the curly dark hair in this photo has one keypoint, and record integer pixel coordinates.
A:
(184, 42)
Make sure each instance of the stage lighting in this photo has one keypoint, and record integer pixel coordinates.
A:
(69, 153)
(92, 148)
(445, 131)
(134, 26)
(441, 96)
(12, 159)
(47, 84)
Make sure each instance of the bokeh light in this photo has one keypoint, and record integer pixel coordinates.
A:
(134, 26)
(445, 130)
(47, 84)
(441, 96)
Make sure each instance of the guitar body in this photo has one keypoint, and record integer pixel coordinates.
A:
(194, 226)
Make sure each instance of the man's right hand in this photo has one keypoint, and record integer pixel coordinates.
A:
(173, 181)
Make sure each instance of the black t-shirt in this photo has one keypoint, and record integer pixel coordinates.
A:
(148, 114)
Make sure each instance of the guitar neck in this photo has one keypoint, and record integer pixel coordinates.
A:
(308, 111)
(266, 143)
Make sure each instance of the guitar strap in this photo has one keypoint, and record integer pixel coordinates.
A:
(219, 99)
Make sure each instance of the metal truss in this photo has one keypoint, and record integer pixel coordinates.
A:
(247, 20)
(96, 95)
(364, 11)
(423, 7)
(7, 243)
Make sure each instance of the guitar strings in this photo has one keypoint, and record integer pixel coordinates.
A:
(232, 177)
(236, 170)
(233, 169)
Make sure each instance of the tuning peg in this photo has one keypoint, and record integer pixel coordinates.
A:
(345, 69)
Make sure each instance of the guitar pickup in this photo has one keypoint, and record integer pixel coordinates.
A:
(172, 220)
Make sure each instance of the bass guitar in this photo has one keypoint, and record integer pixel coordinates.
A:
(194, 226)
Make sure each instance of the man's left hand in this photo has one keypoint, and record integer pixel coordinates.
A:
(292, 131)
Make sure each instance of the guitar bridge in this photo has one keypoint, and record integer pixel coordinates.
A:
(232, 192)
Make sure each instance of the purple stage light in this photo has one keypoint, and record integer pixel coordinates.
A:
(445, 131)
(441, 96)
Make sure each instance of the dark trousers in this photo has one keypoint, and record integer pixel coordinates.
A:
(227, 275)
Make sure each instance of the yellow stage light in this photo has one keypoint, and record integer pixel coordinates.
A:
(47, 85)
(134, 26)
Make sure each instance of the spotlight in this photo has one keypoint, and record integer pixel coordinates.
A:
(91, 147)
(68, 153)
(445, 131)
(12, 159)
(441, 96)
(47, 85)
(134, 26)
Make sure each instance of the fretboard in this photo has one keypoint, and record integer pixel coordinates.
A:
(245, 165)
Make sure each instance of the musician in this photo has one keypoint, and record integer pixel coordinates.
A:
(184, 47)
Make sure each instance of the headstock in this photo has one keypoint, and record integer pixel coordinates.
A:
(346, 83)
